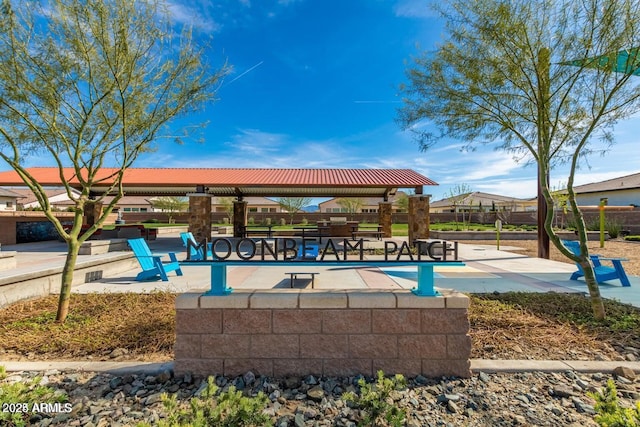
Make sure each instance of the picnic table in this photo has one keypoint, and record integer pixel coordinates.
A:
(258, 230)
(311, 231)
(358, 230)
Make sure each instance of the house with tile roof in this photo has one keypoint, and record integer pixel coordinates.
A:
(9, 200)
(367, 204)
(478, 201)
(59, 200)
(622, 191)
(254, 205)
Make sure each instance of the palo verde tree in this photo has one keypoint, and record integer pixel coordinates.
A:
(293, 205)
(457, 195)
(227, 207)
(501, 76)
(89, 86)
(170, 205)
(402, 201)
(352, 205)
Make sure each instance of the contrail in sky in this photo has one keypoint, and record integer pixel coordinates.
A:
(246, 72)
(377, 102)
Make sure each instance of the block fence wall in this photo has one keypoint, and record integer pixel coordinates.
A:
(284, 332)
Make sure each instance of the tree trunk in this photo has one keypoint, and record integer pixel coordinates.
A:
(73, 247)
(597, 304)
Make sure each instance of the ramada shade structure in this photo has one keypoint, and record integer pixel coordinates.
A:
(240, 183)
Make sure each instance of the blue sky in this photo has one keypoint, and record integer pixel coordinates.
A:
(315, 85)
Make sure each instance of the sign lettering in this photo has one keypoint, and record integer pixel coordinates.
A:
(287, 249)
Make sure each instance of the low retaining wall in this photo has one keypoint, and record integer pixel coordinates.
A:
(37, 284)
(283, 332)
(94, 247)
(8, 260)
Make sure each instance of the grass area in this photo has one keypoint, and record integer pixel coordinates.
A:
(542, 325)
(399, 229)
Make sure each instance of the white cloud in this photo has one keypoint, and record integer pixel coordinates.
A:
(185, 15)
(413, 9)
(588, 178)
(257, 143)
(523, 188)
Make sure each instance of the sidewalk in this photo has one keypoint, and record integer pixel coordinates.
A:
(477, 365)
(486, 270)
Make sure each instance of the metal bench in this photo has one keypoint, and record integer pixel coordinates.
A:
(294, 276)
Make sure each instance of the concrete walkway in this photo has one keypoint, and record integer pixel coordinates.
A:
(477, 365)
(486, 270)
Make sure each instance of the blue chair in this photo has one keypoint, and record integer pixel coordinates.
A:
(311, 252)
(602, 272)
(152, 265)
(196, 252)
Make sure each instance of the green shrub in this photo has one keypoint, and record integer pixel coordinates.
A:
(304, 221)
(151, 221)
(251, 220)
(26, 394)
(375, 400)
(609, 411)
(632, 238)
(613, 227)
(228, 409)
(592, 224)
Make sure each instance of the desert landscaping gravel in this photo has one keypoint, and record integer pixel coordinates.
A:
(516, 399)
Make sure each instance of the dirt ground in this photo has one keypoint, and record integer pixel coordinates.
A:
(612, 248)
(145, 326)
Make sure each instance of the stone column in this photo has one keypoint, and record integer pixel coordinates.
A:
(418, 217)
(200, 216)
(92, 212)
(384, 217)
(239, 218)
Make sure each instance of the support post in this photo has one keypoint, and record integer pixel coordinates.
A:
(239, 218)
(219, 281)
(200, 216)
(425, 282)
(384, 218)
(92, 212)
(418, 217)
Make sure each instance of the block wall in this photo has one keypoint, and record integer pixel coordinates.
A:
(8, 221)
(334, 333)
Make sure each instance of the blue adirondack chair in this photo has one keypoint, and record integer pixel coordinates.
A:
(152, 265)
(603, 272)
(311, 252)
(196, 253)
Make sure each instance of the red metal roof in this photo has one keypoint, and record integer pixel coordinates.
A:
(249, 182)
